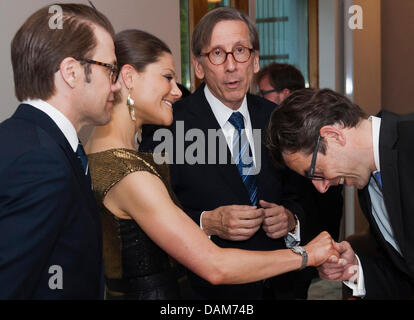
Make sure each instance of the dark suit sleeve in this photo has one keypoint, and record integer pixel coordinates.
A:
(292, 192)
(383, 280)
(33, 202)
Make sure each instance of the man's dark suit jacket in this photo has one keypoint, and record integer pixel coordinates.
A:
(48, 215)
(203, 187)
(390, 275)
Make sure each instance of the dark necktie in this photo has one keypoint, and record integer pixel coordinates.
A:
(80, 153)
(378, 179)
(242, 155)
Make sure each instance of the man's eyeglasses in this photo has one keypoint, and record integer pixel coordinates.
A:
(311, 172)
(218, 56)
(265, 92)
(114, 74)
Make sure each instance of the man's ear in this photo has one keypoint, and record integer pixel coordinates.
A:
(127, 73)
(71, 71)
(333, 133)
(198, 68)
(256, 64)
(284, 94)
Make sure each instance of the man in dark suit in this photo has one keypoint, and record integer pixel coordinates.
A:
(323, 211)
(237, 210)
(342, 145)
(50, 239)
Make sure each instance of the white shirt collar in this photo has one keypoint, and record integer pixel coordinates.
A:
(222, 112)
(59, 118)
(376, 125)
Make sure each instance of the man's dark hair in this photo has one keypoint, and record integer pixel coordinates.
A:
(282, 76)
(295, 125)
(204, 28)
(37, 49)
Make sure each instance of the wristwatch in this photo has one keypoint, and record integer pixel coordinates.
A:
(301, 250)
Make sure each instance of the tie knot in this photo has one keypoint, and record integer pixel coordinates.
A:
(378, 179)
(80, 152)
(237, 120)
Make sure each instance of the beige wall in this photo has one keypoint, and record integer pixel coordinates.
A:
(384, 56)
(367, 58)
(397, 48)
(160, 17)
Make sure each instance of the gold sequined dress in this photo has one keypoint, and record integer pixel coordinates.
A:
(135, 267)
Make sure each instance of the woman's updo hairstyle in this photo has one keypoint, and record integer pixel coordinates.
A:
(138, 49)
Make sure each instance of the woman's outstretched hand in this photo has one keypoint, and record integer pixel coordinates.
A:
(320, 249)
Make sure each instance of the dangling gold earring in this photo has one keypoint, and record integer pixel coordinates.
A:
(130, 104)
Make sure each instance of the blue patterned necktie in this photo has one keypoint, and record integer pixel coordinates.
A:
(242, 156)
(80, 153)
(378, 179)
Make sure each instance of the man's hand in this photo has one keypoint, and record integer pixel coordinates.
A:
(278, 220)
(342, 268)
(235, 222)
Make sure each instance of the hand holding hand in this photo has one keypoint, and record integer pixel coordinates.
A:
(234, 222)
(278, 220)
(320, 249)
(340, 268)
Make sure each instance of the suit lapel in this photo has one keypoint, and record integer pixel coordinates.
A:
(206, 120)
(365, 203)
(42, 120)
(389, 173)
(258, 123)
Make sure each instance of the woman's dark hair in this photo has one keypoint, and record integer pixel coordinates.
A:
(138, 49)
(295, 125)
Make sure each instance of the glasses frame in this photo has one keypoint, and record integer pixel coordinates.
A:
(311, 174)
(227, 53)
(265, 92)
(113, 67)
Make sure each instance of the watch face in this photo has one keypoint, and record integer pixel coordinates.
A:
(298, 250)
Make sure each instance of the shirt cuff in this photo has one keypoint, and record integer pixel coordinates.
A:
(357, 282)
(293, 239)
(201, 222)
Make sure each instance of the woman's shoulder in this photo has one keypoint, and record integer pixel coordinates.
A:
(109, 167)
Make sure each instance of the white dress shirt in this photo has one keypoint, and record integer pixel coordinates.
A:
(222, 114)
(379, 210)
(59, 119)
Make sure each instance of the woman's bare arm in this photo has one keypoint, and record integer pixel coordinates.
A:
(144, 197)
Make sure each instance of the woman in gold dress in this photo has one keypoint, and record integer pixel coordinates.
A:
(143, 224)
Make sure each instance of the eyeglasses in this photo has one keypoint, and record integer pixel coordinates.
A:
(113, 67)
(218, 56)
(265, 92)
(310, 174)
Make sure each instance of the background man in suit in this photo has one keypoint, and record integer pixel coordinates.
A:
(50, 239)
(259, 213)
(323, 212)
(278, 80)
(325, 137)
